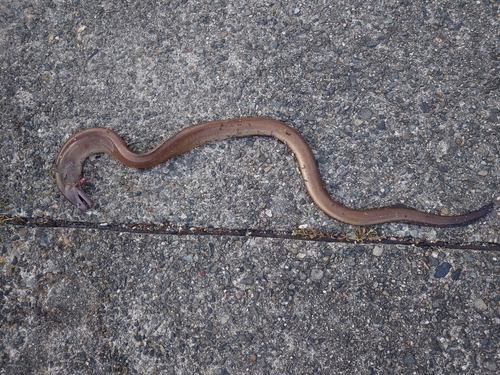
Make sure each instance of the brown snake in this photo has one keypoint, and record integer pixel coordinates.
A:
(69, 164)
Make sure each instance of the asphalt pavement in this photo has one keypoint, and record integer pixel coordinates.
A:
(218, 261)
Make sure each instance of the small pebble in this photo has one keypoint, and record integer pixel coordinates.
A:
(482, 172)
(247, 281)
(431, 235)
(425, 107)
(445, 211)
(365, 114)
(30, 281)
(409, 359)
(456, 274)
(442, 270)
(484, 342)
(317, 274)
(479, 305)
(377, 251)
(468, 257)
(224, 319)
(490, 365)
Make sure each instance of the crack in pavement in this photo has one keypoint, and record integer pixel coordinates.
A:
(363, 237)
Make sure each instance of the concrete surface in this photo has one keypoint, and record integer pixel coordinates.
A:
(400, 103)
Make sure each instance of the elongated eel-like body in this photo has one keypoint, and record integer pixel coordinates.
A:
(69, 164)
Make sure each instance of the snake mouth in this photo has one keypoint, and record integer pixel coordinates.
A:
(76, 196)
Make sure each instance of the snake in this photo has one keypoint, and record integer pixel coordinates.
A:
(70, 159)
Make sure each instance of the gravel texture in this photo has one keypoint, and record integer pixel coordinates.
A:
(79, 302)
(400, 102)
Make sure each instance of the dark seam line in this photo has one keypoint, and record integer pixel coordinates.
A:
(171, 229)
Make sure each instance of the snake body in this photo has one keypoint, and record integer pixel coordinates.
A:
(69, 164)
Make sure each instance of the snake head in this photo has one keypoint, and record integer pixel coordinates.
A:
(68, 170)
(75, 195)
(70, 183)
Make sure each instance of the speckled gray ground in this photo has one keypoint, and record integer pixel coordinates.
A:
(400, 103)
